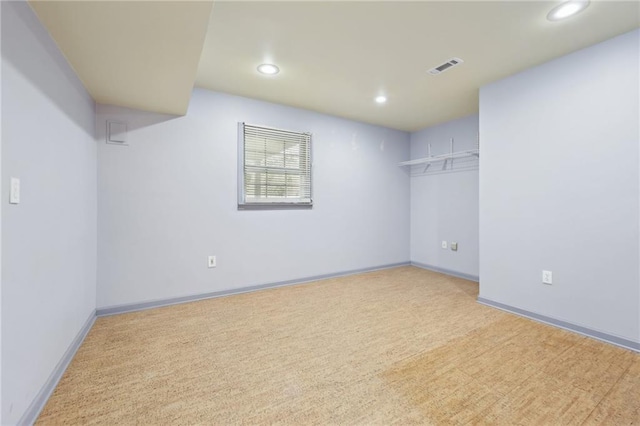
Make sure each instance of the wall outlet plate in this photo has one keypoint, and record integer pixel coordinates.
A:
(547, 277)
(212, 262)
(444, 245)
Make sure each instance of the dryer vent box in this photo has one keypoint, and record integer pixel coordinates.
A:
(117, 132)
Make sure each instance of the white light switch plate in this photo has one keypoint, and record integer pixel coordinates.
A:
(547, 277)
(212, 261)
(14, 196)
(444, 244)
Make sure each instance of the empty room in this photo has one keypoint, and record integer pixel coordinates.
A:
(320, 212)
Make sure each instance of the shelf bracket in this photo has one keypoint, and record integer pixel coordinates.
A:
(428, 156)
(451, 152)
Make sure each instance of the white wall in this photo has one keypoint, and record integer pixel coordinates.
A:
(169, 199)
(444, 203)
(559, 188)
(49, 239)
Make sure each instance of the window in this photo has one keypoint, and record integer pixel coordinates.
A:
(274, 168)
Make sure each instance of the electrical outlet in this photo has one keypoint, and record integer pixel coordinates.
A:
(454, 246)
(444, 245)
(547, 277)
(212, 261)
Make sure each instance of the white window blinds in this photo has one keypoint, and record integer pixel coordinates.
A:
(275, 167)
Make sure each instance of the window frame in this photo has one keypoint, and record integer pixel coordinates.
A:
(270, 205)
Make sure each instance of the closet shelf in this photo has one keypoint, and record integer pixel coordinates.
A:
(443, 157)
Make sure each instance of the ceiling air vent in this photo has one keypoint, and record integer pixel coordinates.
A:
(447, 65)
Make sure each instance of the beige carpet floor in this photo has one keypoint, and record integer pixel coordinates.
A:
(399, 346)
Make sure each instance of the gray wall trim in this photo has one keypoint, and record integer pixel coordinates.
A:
(133, 307)
(599, 335)
(446, 271)
(38, 403)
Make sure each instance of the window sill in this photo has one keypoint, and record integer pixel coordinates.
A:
(274, 206)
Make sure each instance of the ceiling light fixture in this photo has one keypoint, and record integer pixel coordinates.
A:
(567, 9)
(381, 99)
(268, 69)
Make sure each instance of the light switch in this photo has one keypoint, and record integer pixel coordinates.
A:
(14, 196)
(454, 246)
(444, 245)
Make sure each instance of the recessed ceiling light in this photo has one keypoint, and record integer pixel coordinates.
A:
(381, 99)
(268, 69)
(567, 9)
